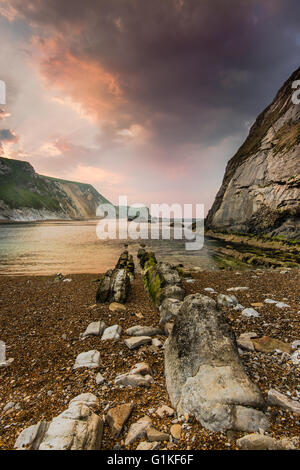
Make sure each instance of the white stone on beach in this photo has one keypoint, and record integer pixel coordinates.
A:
(136, 341)
(227, 300)
(76, 428)
(270, 301)
(279, 399)
(250, 312)
(99, 379)
(141, 330)
(94, 329)
(282, 305)
(112, 332)
(89, 359)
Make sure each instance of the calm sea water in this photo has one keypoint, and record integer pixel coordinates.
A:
(73, 247)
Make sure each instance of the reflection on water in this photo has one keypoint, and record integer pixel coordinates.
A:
(73, 247)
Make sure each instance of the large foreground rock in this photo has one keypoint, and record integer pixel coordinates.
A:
(77, 428)
(204, 375)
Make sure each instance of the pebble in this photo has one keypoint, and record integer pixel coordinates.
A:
(136, 341)
(112, 333)
(250, 312)
(176, 430)
(99, 379)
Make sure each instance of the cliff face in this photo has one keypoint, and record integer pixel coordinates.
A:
(260, 192)
(25, 195)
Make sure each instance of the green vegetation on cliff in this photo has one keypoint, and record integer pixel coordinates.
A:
(21, 188)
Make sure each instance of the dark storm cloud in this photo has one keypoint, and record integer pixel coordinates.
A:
(190, 71)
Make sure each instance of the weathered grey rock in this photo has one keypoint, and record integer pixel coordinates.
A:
(227, 300)
(174, 292)
(99, 379)
(89, 359)
(204, 375)
(117, 417)
(115, 285)
(279, 399)
(261, 442)
(168, 274)
(139, 375)
(104, 291)
(140, 330)
(162, 280)
(87, 399)
(239, 307)
(30, 438)
(270, 301)
(112, 332)
(296, 344)
(94, 329)
(138, 430)
(169, 309)
(210, 290)
(120, 286)
(134, 380)
(249, 419)
(260, 192)
(136, 341)
(250, 312)
(77, 428)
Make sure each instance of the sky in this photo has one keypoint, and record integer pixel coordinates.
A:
(143, 98)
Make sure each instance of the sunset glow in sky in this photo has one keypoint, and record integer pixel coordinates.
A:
(144, 98)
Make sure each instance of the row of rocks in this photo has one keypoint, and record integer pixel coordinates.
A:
(163, 282)
(204, 374)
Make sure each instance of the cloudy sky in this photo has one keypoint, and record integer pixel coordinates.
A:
(147, 98)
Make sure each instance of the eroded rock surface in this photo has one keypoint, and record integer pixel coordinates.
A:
(204, 375)
(77, 428)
